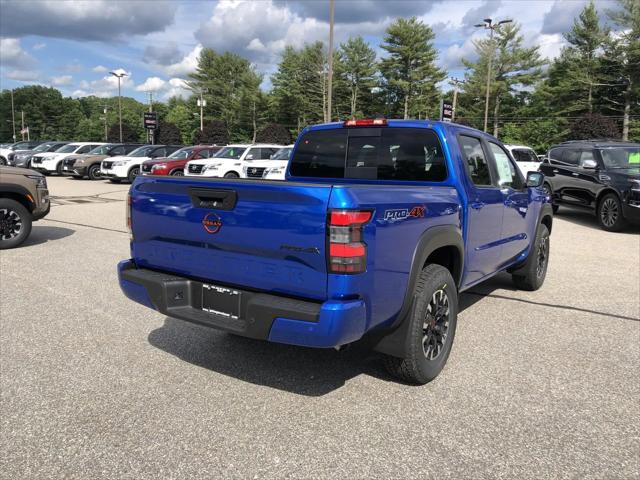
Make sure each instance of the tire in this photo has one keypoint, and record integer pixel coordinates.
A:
(133, 173)
(94, 172)
(549, 193)
(3, 161)
(231, 175)
(59, 169)
(177, 173)
(435, 289)
(15, 223)
(532, 274)
(609, 213)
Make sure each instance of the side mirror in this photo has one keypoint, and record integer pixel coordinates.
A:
(249, 157)
(590, 164)
(535, 179)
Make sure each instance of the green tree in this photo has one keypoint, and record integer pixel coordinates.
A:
(409, 71)
(226, 80)
(168, 133)
(213, 133)
(182, 115)
(274, 133)
(356, 69)
(620, 64)
(514, 67)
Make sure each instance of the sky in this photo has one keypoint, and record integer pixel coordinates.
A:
(73, 45)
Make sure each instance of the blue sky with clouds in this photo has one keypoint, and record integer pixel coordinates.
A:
(72, 45)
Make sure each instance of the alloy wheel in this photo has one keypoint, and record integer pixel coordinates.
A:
(609, 212)
(10, 224)
(543, 256)
(436, 325)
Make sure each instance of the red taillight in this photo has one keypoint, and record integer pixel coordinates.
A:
(347, 251)
(366, 122)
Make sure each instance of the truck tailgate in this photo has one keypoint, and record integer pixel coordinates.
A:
(258, 235)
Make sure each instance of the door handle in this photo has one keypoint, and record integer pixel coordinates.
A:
(477, 205)
(555, 170)
(575, 174)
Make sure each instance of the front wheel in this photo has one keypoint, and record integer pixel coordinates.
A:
(177, 173)
(432, 326)
(549, 193)
(532, 274)
(133, 173)
(15, 223)
(610, 213)
(94, 172)
(59, 168)
(231, 175)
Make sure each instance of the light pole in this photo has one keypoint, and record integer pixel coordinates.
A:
(106, 131)
(488, 24)
(330, 75)
(13, 117)
(201, 102)
(456, 83)
(119, 76)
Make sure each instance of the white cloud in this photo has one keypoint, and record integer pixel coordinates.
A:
(61, 80)
(177, 88)
(12, 54)
(151, 84)
(107, 86)
(23, 75)
(100, 69)
(39, 46)
(185, 66)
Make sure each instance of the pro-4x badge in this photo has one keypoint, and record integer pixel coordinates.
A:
(211, 222)
(401, 213)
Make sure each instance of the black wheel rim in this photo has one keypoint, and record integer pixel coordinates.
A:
(94, 172)
(10, 224)
(436, 325)
(543, 256)
(135, 172)
(609, 212)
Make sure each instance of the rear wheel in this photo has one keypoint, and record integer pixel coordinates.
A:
(133, 173)
(177, 173)
(94, 172)
(231, 175)
(59, 168)
(610, 213)
(15, 223)
(431, 329)
(549, 193)
(532, 274)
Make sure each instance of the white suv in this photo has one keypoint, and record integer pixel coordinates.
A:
(276, 166)
(127, 167)
(230, 161)
(525, 158)
(50, 162)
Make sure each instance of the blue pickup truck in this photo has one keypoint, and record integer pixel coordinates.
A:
(377, 229)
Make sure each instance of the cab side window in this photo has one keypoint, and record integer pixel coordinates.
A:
(555, 154)
(86, 148)
(586, 155)
(475, 160)
(117, 151)
(253, 154)
(506, 170)
(571, 157)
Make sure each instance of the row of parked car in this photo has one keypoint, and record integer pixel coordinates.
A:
(124, 161)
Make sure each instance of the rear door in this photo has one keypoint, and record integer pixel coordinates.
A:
(264, 236)
(485, 212)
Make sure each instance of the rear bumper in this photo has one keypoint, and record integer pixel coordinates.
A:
(262, 316)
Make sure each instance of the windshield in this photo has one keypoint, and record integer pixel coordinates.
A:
(621, 157)
(230, 152)
(282, 154)
(68, 148)
(142, 151)
(181, 154)
(43, 147)
(101, 150)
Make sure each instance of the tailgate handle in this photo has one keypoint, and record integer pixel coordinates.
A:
(213, 198)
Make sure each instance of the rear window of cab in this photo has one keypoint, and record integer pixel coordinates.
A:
(406, 154)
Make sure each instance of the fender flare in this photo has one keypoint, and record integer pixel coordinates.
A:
(20, 191)
(393, 340)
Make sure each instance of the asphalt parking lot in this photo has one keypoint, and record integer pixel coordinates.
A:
(540, 384)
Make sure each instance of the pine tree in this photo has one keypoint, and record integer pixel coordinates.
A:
(356, 70)
(410, 75)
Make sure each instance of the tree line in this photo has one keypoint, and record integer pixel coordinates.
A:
(590, 90)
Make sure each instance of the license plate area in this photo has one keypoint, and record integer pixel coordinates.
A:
(221, 301)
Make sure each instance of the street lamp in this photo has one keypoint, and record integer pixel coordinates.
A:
(488, 24)
(119, 76)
